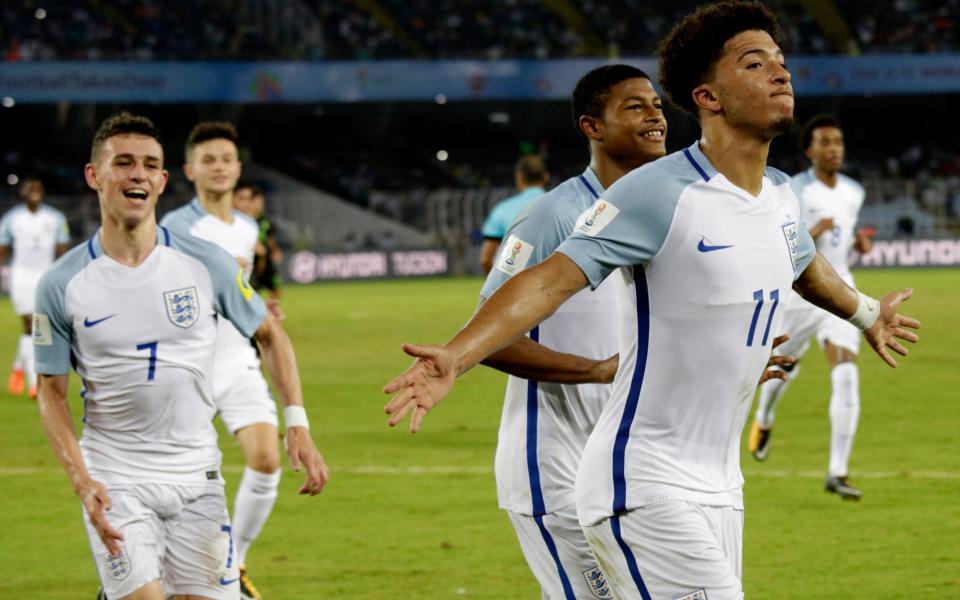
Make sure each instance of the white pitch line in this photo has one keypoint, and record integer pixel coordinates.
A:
(10, 471)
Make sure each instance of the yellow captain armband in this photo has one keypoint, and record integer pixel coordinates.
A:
(244, 286)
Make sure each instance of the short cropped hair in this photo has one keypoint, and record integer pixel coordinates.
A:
(824, 120)
(211, 130)
(255, 190)
(123, 123)
(532, 169)
(689, 53)
(592, 92)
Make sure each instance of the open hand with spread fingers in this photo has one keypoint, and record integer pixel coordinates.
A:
(890, 325)
(422, 386)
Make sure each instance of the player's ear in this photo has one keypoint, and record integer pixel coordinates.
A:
(591, 127)
(90, 174)
(705, 98)
(163, 184)
(188, 171)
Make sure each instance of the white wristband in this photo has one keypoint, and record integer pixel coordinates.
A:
(868, 310)
(295, 416)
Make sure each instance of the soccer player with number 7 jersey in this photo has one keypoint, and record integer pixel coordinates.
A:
(134, 310)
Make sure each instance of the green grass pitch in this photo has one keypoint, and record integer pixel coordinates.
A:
(416, 517)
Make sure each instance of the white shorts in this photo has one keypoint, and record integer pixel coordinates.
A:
(23, 290)
(559, 556)
(808, 321)
(671, 550)
(176, 533)
(243, 398)
(839, 332)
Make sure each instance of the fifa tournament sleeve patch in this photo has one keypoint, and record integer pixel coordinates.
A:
(42, 335)
(515, 256)
(595, 218)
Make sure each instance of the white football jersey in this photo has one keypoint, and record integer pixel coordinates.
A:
(705, 265)
(34, 236)
(142, 339)
(545, 426)
(841, 203)
(239, 239)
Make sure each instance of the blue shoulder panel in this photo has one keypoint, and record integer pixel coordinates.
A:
(52, 327)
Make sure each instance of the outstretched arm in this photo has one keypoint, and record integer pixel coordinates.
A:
(282, 364)
(879, 320)
(58, 425)
(518, 306)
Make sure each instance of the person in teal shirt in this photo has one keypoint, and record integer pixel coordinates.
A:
(531, 177)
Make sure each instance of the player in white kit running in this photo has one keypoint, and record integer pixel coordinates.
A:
(830, 204)
(240, 391)
(706, 240)
(37, 234)
(135, 311)
(545, 426)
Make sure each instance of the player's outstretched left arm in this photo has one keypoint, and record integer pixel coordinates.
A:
(281, 363)
(879, 320)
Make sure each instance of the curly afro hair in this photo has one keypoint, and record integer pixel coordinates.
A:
(689, 53)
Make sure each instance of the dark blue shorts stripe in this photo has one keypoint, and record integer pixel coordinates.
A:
(533, 466)
(630, 558)
(552, 547)
(633, 396)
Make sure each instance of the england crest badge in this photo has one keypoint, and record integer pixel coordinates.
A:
(183, 306)
(117, 567)
(791, 234)
(598, 584)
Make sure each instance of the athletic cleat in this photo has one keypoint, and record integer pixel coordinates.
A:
(759, 444)
(842, 487)
(17, 382)
(33, 392)
(248, 591)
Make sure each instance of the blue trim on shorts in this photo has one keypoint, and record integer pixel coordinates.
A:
(533, 466)
(552, 547)
(633, 396)
(631, 559)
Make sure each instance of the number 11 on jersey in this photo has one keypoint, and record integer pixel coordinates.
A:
(152, 347)
(758, 298)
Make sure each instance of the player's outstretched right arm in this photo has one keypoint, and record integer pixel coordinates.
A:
(532, 360)
(519, 305)
(58, 425)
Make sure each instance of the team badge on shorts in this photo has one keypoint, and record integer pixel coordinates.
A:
(597, 584)
(697, 595)
(117, 567)
(183, 307)
(791, 234)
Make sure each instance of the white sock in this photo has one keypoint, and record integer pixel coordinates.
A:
(844, 415)
(26, 356)
(251, 508)
(18, 361)
(770, 393)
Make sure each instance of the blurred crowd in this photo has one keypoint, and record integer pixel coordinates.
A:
(433, 29)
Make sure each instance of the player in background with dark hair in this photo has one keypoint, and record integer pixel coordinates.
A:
(620, 116)
(239, 389)
(531, 177)
(135, 312)
(705, 239)
(251, 201)
(830, 203)
(36, 234)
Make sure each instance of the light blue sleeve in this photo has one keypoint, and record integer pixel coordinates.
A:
(628, 224)
(495, 227)
(543, 224)
(52, 326)
(806, 251)
(179, 221)
(6, 237)
(63, 230)
(233, 296)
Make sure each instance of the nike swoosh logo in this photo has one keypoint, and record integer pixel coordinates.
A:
(227, 581)
(88, 323)
(705, 248)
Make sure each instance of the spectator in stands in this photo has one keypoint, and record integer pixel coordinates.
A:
(531, 178)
